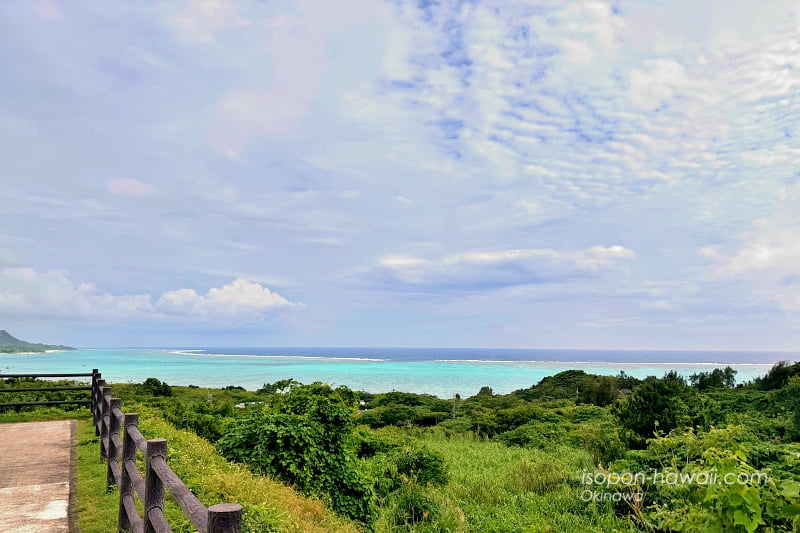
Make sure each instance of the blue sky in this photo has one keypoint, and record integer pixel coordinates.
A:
(437, 173)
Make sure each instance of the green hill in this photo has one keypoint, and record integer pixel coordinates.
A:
(11, 344)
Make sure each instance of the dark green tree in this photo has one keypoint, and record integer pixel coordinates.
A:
(656, 405)
(602, 390)
(156, 387)
(778, 375)
(716, 379)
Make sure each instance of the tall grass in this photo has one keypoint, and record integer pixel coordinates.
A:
(494, 488)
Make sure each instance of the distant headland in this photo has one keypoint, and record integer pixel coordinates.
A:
(10, 344)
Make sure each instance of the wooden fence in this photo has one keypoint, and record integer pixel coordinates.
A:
(86, 401)
(122, 471)
(120, 454)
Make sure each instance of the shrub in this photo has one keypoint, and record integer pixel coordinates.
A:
(762, 501)
(422, 465)
(305, 438)
(402, 465)
(414, 505)
(397, 415)
(155, 387)
(371, 442)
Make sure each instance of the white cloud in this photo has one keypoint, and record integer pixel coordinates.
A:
(292, 53)
(709, 252)
(47, 10)
(658, 85)
(295, 55)
(238, 297)
(660, 305)
(8, 259)
(201, 20)
(492, 269)
(26, 292)
(12, 126)
(330, 241)
(130, 187)
(769, 260)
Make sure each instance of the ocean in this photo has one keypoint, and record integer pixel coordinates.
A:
(443, 372)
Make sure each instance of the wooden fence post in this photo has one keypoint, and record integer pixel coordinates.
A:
(113, 453)
(95, 377)
(153, 486)
(225, 518)
(128, 455)
(97, 404)
(105, 398)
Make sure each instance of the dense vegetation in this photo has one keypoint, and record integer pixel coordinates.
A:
(575, 452)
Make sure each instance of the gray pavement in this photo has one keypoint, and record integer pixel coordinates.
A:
(36, 473)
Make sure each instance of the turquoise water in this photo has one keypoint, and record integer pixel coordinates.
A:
(381, 373)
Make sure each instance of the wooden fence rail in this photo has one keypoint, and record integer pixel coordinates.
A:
(119, 452)
(45, 389)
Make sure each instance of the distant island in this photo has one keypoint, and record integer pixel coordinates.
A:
(10, 344)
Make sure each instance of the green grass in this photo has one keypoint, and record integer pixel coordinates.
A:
(97, 508)
(494, 488)
(42, 413)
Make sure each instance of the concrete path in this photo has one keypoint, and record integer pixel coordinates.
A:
(36, 466)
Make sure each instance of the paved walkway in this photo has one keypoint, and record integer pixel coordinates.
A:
(36, 466)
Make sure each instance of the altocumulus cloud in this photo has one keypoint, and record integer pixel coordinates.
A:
(27, 292)
(493, 269)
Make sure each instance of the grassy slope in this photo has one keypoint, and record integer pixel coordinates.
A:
(268, 503)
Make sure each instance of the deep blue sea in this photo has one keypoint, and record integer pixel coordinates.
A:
(439, 371)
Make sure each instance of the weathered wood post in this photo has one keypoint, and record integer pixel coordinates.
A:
(225, 518)
(106, 408)
(128, 456)
(97, 404)
(95, 377)
(113, 453)
(153, 486)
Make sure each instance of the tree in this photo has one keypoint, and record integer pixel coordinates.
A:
(656, 405)
(601, 390)
(156, 387)
(716, 379)
(778, 376)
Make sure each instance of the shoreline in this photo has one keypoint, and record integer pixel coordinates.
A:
(35, 353)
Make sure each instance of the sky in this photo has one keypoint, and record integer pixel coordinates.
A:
(522, 174)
